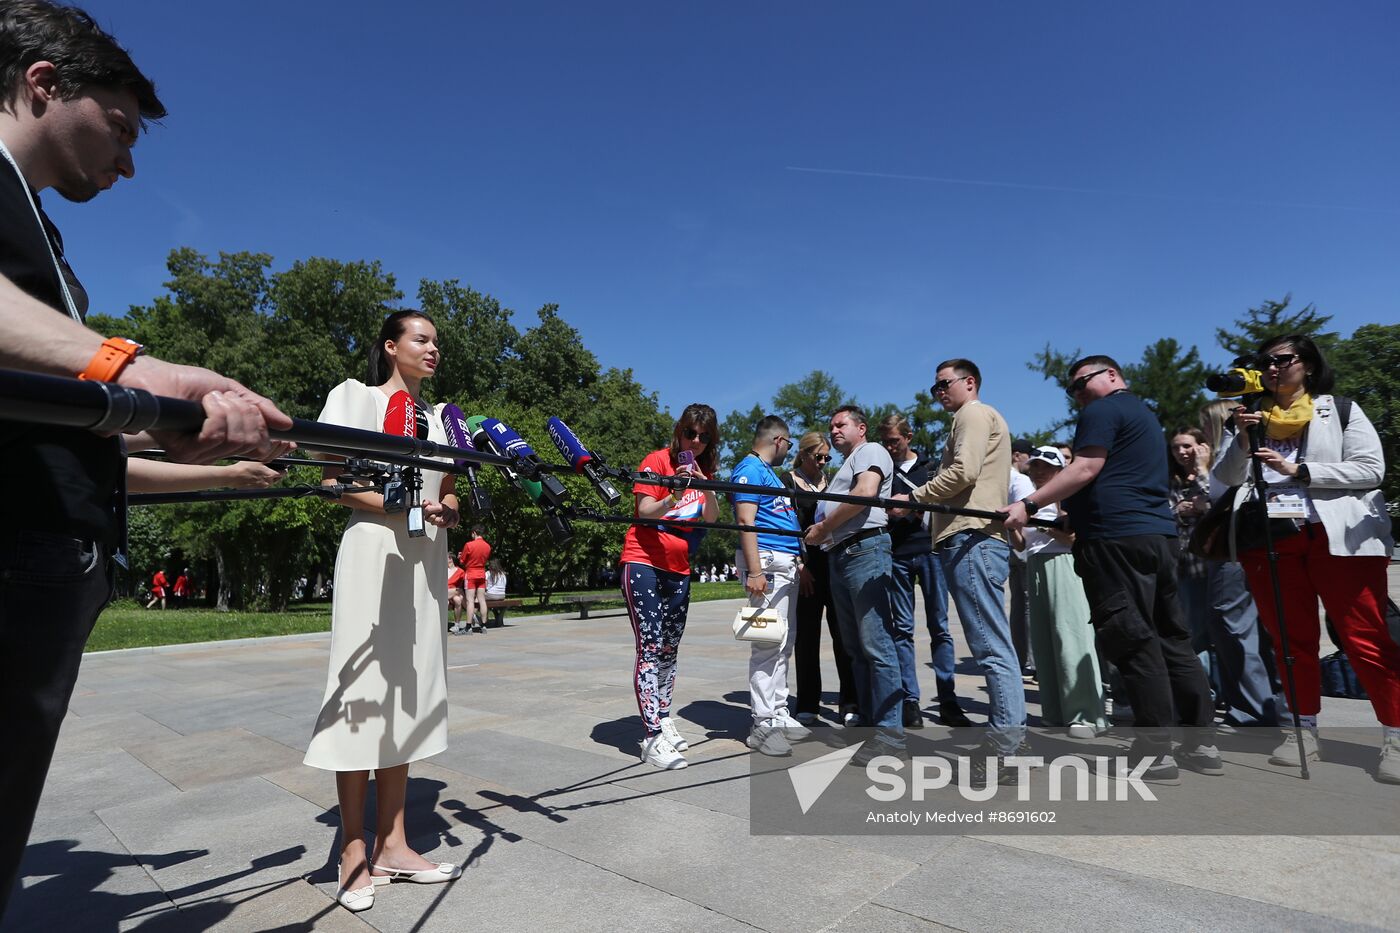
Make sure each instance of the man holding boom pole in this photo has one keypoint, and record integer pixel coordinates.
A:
(72, 104)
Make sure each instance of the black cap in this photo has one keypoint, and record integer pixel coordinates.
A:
(1022, 447)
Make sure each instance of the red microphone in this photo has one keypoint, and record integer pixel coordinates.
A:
(403, 418)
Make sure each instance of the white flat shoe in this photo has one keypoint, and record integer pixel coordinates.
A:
(356, 900)
(443, 872)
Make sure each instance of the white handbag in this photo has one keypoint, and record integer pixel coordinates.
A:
(763, 626)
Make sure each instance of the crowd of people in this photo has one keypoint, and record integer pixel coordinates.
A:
(74, 103)
(1118, 611)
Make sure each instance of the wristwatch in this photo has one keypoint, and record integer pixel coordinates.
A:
(1031, 507)
(115, 354)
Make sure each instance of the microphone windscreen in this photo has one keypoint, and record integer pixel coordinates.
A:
(455, 424)
(505, 438)
(401, 417)
(570, 447)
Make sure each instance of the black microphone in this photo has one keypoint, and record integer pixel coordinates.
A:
(513, 445)
(572, 450)
(458, 435)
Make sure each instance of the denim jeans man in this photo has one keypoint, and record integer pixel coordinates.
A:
(974, 473)
(857, 541)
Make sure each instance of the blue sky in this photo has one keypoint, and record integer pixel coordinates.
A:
(724, 197)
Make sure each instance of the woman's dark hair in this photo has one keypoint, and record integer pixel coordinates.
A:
(701, 419)
(1320, 377)
(1178, 472)
(380, 367)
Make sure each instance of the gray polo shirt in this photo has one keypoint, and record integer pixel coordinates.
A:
(868, 456)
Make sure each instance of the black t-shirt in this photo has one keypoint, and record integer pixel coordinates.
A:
(61, 480)
(908, 536)
(1129, 496)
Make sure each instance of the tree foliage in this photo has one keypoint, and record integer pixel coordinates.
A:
(296, 334)
(1272, 319)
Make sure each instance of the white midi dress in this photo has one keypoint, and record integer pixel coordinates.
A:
(386, 691)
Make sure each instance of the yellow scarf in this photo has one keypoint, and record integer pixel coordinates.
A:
(1285, 423)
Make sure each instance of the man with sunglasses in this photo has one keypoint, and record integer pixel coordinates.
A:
(973, 474)
(1115, 491)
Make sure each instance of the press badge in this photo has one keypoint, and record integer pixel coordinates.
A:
(1287, 501)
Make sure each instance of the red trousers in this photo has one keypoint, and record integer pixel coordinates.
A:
(1353, 591)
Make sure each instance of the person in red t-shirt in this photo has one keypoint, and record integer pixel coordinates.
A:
(181, 590)
(456, 594)
(158, 585)
(655, 568)
(473, 559)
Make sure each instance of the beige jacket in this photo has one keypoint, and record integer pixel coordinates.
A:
(974, 473)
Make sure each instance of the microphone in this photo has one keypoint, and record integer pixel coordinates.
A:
(482, 441)
(404, 419)
(559, 526)
(458, 435)
(513, 445)
(572, 450)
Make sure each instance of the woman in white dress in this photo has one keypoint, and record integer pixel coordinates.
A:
(386, 693)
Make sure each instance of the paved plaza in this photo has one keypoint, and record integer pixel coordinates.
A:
(178, 802)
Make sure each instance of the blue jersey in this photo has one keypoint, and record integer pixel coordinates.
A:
(774, 511)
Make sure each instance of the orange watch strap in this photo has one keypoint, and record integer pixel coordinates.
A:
(115, 354)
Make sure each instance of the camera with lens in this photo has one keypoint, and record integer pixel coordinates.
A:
(1242, 378)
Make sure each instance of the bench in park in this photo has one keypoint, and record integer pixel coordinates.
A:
(584, 600)
(497, 608)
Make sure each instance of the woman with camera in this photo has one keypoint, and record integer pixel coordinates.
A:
(1322, 463)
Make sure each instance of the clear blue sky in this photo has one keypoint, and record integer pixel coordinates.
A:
(726, 196)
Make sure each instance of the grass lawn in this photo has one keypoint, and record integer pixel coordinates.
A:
(124, 624)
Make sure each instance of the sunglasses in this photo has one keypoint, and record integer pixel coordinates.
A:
(943, 384)
(1282, 361)
(890, 441)
(1078, 385)
(700, 436)
(824, 458)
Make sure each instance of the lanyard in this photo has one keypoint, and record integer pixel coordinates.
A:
(68, 302)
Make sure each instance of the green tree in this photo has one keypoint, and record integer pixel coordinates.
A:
(807, 404)
(552, 370)
(1368, 371)
(1271, 319)
(477, 340)
(1170, 382)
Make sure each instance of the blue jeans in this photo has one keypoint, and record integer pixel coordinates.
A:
(926, 572)
(976, 567)
(860, 586)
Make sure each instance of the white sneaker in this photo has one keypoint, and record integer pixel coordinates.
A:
(673, 735)
(793, 730)
(1287, 753)
(661, 753)
(767, 738)
(1083, 730)
(1388, 771)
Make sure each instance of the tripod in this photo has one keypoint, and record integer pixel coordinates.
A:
(1256, 434)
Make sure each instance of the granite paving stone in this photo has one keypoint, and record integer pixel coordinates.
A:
(177, 802)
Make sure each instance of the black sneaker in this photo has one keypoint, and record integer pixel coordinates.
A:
(951, 714)
(1203, 759)
(984, 766)
(1162, 770)
(913, 716)
(874, 748)
(1024, 750)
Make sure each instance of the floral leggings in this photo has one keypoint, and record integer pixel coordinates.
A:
(657, 602)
